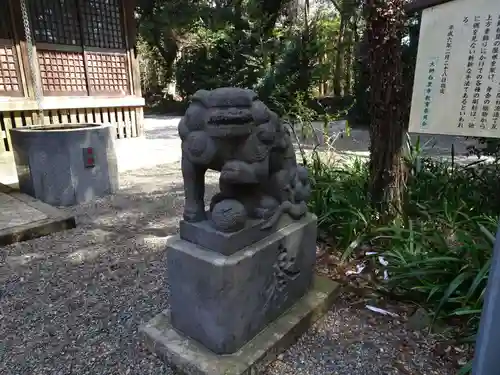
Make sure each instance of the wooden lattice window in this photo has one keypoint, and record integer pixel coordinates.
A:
(62, 72)
(55, 21)
(107, 73)
(102, 23)
(81, 46)
(10, 84)
(9, 71)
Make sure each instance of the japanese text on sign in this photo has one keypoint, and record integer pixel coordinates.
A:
(457, 89)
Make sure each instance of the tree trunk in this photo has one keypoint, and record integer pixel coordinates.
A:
(337, 77)
(348, 63)
(352, 45)
(168, 48)
(385, 26)
(321, 84)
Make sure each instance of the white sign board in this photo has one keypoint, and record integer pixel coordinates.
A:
(457, 76)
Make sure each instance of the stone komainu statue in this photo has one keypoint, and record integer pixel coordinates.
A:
(230, 130)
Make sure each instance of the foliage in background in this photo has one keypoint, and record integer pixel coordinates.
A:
(163, 27)
(281, 48)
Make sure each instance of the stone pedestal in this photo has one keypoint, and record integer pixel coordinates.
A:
(221, 304)
(224, 301)
(205, 235)
(189, 357)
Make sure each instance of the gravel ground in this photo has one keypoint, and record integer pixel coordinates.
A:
(70, 303)
(351, 340)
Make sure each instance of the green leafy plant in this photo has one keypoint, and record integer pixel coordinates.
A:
(439, 250)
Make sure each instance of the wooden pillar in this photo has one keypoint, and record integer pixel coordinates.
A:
(24, 64)
(131, 40)
(22, 49)
(130, 25)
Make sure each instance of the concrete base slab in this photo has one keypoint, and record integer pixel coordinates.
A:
(191, 358)
(23, 217)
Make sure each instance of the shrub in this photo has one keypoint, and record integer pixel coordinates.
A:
(438, 251)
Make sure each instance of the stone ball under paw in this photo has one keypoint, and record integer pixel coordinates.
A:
(229, 215)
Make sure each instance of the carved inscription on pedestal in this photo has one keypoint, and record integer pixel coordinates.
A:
(284, 270)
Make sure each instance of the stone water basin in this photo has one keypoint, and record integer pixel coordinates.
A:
(65, 164)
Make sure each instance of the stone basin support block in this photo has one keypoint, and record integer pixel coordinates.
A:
(64, 165)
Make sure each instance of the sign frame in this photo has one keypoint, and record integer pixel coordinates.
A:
(419, 5)
(453, 79)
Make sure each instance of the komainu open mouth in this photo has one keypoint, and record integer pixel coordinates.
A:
(230, 116)
(230, 122)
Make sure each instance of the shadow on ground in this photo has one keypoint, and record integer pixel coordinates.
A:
(71, 302)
